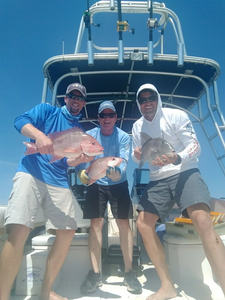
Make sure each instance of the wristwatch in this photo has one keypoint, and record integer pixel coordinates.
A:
(178, 161)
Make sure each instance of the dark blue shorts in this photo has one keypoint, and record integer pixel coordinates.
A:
(117, 195)
(185, 189)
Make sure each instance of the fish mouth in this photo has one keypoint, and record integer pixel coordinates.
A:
(94, 153)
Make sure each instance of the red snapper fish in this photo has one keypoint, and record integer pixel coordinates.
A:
(98, 167)
(69, 143)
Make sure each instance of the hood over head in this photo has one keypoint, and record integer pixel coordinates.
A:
(151, 87)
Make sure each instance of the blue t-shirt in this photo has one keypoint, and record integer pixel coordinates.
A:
(117, 144)
(47, 119)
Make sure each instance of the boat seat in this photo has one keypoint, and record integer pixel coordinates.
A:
(45, 241)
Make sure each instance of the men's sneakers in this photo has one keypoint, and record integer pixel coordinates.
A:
(132, 283)
(90, 282)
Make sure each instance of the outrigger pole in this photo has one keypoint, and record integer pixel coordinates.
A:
(151, 25)
(87, 22)
(120, 44)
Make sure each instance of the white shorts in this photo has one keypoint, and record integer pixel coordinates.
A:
(29, 194)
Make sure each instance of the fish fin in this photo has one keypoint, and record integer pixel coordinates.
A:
(31, 148)
(141, 163)
(90, 182)
(54, 158)
(87, 170)
(144, 138)
(170, 146)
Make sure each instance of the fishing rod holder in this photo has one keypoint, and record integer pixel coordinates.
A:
(112, 4)
(86, 18)
(152, 23)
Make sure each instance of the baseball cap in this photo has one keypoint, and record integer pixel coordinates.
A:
(77, 86)
(106, 104)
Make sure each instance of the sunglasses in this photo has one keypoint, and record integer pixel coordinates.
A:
(143, 100)
(74, 97)
(109, 115)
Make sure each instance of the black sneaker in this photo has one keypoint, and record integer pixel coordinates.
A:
(132, 283)
(90, 282)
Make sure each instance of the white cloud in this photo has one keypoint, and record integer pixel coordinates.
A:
(8, 164)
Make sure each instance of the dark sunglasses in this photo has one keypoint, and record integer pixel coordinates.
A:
(143, 100)
(109, 115)
(74, 97)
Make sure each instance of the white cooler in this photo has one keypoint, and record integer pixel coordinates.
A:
(186, 259)
(31, 274)
(73, 271)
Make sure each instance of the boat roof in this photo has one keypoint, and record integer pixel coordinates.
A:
(179, 87)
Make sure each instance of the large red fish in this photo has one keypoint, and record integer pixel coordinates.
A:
(98, 167)
(69, 143)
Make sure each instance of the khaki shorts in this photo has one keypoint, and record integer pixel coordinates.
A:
(29, 194)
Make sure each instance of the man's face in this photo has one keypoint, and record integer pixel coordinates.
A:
(107, 119)
(148, 102)
(74, 106)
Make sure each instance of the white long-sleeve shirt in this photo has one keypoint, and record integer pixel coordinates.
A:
(174, 126)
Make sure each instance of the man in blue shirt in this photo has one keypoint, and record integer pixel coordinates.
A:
(40, 183)
(112, 188)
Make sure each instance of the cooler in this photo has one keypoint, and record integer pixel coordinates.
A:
(31, 274)
(73, 271)
(188, 230)
(186, 259)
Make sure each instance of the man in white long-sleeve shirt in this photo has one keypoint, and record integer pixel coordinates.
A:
(174, 179)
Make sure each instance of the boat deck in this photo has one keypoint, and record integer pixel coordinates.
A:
(113, 287)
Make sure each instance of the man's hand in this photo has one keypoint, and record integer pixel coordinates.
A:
(44, 145)
(113, 173)
(73, 162)
(83, 177)
(137, 153)
(165, 160)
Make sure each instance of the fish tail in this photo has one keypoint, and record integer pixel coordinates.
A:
(31, 148)
(141, 163)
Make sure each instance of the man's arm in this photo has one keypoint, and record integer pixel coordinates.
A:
(116, 173)
(73, 162)
(191, 148)
(136, 145)
(43, 143)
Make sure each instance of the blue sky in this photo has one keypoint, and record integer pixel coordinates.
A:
(33, 31)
